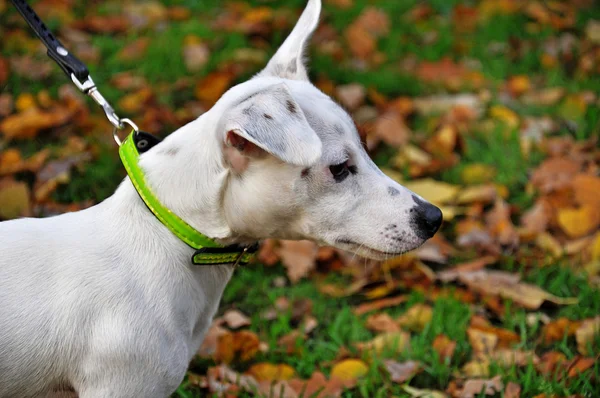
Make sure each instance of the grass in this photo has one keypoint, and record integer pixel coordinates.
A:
(253, 290)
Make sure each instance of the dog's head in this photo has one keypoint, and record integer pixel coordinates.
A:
(299, 171)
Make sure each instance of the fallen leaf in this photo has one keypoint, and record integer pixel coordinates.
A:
(478, 194)
(243, 345)
(444, 347)
(585, 189)
(479, 367)
(508, 358)
(379, 304)
(434, 191)
(444, 103)
(550, 362)
(351, 95)
(500, 225)
(221, 378)
(477, 173)
(417, 393)
(555, 173)
(27, 124)
(401, 371)
(395, 341)
(391, 129)
(442, 71)
(210, 344)
(585, 335)
(195, 53)
(14, 199)
(592, 31)
(519, 85)
(472, 388)
(557, 329)
(270, 372)
(299, 258)
(55, 173)
(580, 365)
(505, 115)
(213, 86)
(452, 274)
(416, 317)
(235, 319)
(4, 71)
(578, 222)
(382, 323)
(512, 390)
(134, 50)
(349, 370)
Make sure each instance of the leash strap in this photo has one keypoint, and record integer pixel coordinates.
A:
(70, 64)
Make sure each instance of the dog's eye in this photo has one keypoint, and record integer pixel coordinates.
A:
(339, 171)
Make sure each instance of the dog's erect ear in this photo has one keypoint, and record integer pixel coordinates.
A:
(288, 61)
(273, 121)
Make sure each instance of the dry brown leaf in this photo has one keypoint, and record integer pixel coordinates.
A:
(382, 323)
(580, 365)
(555, 173)
(586, 332)
(319, 387)
(416, 317)
(213, 86)
(512, 390)
(4, 71)
(235, 319)
(442, 71)
(508, 286)
(483, 342)
(401, 371)
(134, 50)
(243, 345)
(379, 304)
(291, 342)
(27, 124)
(508, 358)
(500, 225)
(479, 367)
(550, 362)
(270, 372)
(299, 258)
(210, 343)
(55, 173)
(537, 218)
(444, 347)
(391, 129)
(472, 388)
(557, 329)
(221, 378)
(351, 95)
(452, 274)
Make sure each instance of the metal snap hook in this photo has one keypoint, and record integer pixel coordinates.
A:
(123, 122)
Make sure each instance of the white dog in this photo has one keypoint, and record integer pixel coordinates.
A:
(106, 300)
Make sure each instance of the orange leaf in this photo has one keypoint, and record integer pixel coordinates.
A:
(269, 372)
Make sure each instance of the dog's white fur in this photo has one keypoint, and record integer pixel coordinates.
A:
(105, 300)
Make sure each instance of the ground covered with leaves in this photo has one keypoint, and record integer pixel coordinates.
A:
(488, 108)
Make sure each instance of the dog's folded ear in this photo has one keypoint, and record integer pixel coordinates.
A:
(288, 61)
(274, 122)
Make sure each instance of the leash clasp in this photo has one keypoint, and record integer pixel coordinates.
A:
(88, 87)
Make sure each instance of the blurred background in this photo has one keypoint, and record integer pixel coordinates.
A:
(488, 108)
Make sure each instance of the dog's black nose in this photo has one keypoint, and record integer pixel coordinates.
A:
(427, 218)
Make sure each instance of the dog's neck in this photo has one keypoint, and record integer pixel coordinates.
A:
(186, 173)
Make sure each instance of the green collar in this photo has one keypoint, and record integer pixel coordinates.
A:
(208, 252)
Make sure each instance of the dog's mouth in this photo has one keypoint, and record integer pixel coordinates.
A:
(367, 251)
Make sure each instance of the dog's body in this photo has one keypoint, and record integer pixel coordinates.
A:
(106, 300)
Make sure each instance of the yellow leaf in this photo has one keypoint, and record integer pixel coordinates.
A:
(519, 85)
(270, 372)
(595, 248)
(24, 102)
(349, 369)
(434, 191)
(416, 317)
(476, 368)
(477, 173)
(578, 222)
(14, 200)
(585, 335)
(505, 115)
(478, 193)
(396, 341)
(573, 107)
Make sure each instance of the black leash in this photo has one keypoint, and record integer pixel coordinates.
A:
(78, 72)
